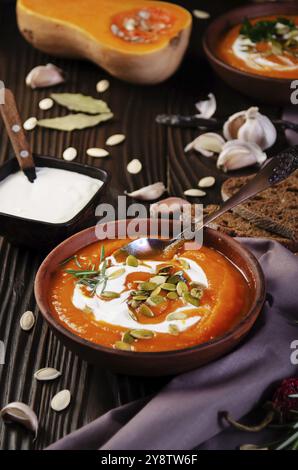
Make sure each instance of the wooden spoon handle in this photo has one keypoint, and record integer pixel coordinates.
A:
(15, 131)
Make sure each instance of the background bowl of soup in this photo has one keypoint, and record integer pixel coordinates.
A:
(84, 339)
(265, 85)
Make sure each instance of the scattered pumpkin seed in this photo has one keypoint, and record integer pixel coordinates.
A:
(156, 291)
(97, 152)
(142, 334)
(172, 296)
(149, 286)
(146, 311)
(181, 288)
(176, 316)
(206, 182)
(194, 193)
(108, 294)
(196, 293)
(190, 299)
(116, 274)
(102, 86)
(27, 320)
(173, 329)
(127, 338)
(30, 123)
(123, 346)
(81, 103)
(70, 154)
(61, 400)
(20, 413)
(70, 122)
(47, 373)
(132, 261)
(201, 14)
(115, 139)
(45, 104)
(157, 279)
(134, 166)
(168, 286)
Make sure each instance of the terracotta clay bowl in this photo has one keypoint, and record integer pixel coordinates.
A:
(156, 363)
(265, 89)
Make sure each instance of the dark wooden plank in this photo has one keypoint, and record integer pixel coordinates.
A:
(161, 150)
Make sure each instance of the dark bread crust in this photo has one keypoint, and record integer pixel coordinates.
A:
(274, 210)
(235, 226)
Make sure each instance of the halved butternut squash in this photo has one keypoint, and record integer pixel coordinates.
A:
(135, 40)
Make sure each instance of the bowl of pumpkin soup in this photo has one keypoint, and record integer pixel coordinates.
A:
(255, 50)
(156, 316)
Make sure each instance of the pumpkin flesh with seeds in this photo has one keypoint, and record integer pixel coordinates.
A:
(207, 298)
(136, 40)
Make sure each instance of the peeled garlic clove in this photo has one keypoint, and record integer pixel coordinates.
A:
(207, 107)
(45, 76)
(21, 413)
(172, 205)
(251, 126)
(237, 154)
(148, 193)
(207, 144)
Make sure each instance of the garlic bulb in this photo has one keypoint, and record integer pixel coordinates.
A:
(207, 144)
(250, 126)
(237, 154)
(207, 107)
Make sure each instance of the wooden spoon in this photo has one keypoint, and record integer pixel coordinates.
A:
(16, 135)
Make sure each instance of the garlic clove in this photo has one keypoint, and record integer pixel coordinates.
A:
(251, 126)
(173, 205)
(207, 144)
(21, 413)
(207, 107)
(148, 193)
(45, 76)
(237, 154)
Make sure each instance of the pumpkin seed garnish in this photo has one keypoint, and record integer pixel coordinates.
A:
(176, 316)
(173, 329)
(127, 338)
(81, 103)
(156, 291)
(116, 274)
(147, 286)
(61, 400)
(172, 296)
(168, 286)
(132, 314)
(108, 294)
(164, 270)
(142, 334)
(132, 261)
(141, 297)
(71, 122)
(146, 311)
(196, 293)
(47, 373)
(190, 299)
(155, 300)
(174, 279)
(158, 279)
(27, 320)
(123, 346)
(181, 288)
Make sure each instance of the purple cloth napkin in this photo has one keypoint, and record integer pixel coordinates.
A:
(290, 113)
(184, 414)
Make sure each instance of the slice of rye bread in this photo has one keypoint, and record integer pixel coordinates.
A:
(235, 226)
(275, 209)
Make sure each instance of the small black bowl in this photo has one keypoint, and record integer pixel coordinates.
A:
(44, 235)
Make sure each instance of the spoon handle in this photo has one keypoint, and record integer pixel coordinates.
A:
(272, 172)
(16, 134)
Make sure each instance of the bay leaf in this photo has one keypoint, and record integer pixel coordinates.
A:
(71, 122)
(81, 103)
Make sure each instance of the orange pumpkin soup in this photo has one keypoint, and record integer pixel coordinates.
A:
(148, 305)
(265, 46)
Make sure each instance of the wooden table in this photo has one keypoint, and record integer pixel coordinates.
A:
(94, 391)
